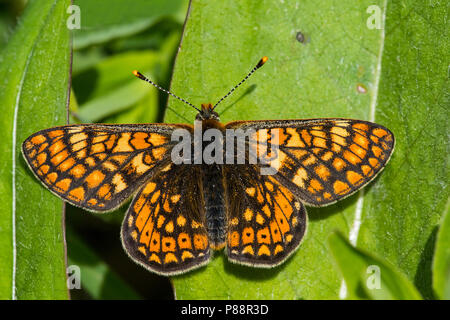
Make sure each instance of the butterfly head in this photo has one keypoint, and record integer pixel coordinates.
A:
(207, 113)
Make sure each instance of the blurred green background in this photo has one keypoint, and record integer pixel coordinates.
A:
(144, 36)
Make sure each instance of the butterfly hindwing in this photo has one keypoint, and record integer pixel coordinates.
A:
(265, 220)
(97, 167)
(164, 228)
(322, 160)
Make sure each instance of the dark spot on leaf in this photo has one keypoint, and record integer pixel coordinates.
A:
(301, 37)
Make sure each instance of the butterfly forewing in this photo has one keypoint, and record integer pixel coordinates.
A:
(97, 167)
(322, 160)
(164, 228)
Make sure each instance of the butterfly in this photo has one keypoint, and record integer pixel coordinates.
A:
(181, 212)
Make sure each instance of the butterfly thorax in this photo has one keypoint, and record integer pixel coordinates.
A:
(212, 183)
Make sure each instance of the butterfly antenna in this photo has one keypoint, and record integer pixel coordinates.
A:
(259, 65)
(142, 77)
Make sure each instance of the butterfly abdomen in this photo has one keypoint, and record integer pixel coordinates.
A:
(213, 193)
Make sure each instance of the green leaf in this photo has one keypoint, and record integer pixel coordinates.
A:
(111, 74)
(394, 76)
(441, 262)
(113, 102)
(367, 276)
(96, 276)
(34, 77)
(402, 211)
(103, 20)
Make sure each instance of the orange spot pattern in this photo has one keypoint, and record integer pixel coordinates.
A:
(331, 158)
